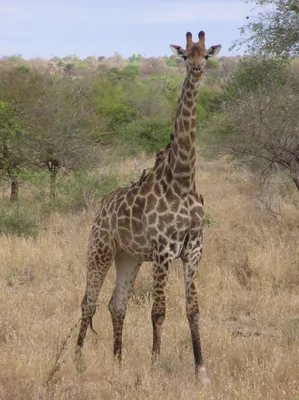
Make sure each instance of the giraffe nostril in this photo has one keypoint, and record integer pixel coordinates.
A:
(196, 69)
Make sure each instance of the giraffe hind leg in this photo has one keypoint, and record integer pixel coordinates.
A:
(160, 277)
(127, 268)
(191, 259)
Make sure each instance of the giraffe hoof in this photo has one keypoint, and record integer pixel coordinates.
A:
(203, 376)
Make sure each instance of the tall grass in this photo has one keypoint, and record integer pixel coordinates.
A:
(248, 293)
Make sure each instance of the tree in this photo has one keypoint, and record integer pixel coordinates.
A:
(136, 59)
(113, 101)
(251, 73)
(16, 88)
(152, 66)
(274, 31)
(65, 127)
(266, 123)
(9, 163)
(46, 121)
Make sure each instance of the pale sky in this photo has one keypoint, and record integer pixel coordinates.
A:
(100, 28)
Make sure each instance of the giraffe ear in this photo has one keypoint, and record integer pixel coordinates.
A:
(178, 51)
(213, 51)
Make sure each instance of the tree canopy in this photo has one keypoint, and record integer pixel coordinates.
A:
(273, 29)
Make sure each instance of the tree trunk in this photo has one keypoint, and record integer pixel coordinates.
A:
(296, 180)
(14, 191)
(295, 172)
(54, 172)
(10, 166)
(53, 167)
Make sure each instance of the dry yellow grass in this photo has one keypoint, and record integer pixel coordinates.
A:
(249, 301)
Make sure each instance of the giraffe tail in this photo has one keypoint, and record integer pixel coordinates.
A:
(91, 327)
(92, 313)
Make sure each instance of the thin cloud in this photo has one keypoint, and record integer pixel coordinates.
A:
(132, 13)
(9, 9)
(210, 11)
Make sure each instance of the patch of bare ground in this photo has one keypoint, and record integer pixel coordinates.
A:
(249, 300)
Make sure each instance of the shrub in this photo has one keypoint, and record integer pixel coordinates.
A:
(81, 189)
(171, 62)
(18, 221)
(148, 134)
(250, 74)
(200, 112)
(131, 71)
(210, 99)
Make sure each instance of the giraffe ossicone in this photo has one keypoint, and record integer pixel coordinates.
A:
(159, 218)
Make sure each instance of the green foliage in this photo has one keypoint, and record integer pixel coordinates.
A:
(132, 71)
(215, 135)
(149, 134)
(112, 101)
(136, 59)
(200, 112)
(82, 64)
(82, 189)
(213, 63)
(252, 73)
(174, 61)
(52, 125)
(23, 68)
(274, 30)
(75, 192)
(210, 79)
(209, 99)
(171, 62)
(209, 220)
(118, 111)
(18, 221)
(164, 87)
(69, 66)
(121, 76)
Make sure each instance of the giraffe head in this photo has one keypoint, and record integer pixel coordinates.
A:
(195, 55)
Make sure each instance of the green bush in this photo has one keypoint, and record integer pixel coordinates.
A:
(131, 71)
(215, 135)
(113, 101)
(250, 74)
(81, 189)
(18, 221)
(200, 112)
(147, 134)
(209, 220)
(171, 62)
(210, 99)
(213, 63)
(69, 66)
(210, 79)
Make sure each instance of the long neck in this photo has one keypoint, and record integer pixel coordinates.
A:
(182, 155)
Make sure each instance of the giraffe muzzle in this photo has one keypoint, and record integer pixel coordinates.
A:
(197, 72)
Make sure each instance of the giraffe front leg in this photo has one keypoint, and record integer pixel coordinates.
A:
(160, 277)
(191, 260)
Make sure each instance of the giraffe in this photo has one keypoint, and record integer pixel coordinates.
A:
(160, 218)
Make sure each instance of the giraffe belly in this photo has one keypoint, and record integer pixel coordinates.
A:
(142, 231)
(136, 245)
(162, 235)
